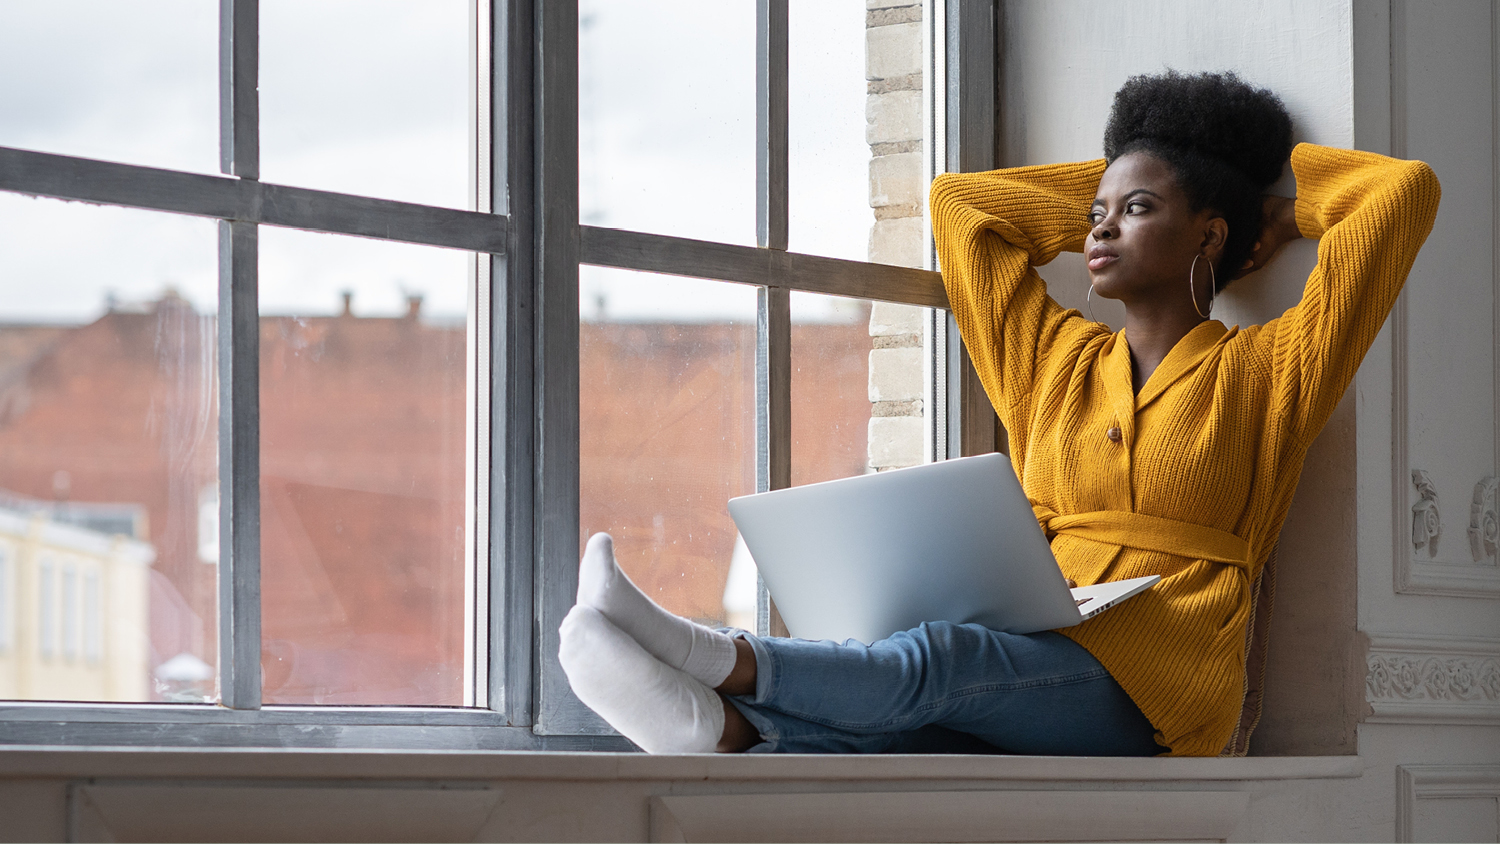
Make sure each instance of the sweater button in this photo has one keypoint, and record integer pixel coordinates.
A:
(1113, 434)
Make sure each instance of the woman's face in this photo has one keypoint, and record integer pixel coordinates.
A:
(1144, 235)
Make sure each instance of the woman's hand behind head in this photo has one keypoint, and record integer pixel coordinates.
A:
(1278, 228)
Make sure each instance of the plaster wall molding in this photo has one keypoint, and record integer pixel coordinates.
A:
(1426, 520)
(1415, 571)
(1484, 520)
(1439, 782)
(1433, 680)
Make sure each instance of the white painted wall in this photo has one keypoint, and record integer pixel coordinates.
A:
(1063, 60)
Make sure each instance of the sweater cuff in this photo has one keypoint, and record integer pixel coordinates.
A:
(1307, 218)
(1311, 167)
(1325, 176)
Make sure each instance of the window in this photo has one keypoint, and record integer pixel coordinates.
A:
(449, 290)
(69, 614)
(7, 611)
(46, 609)
(93, 612)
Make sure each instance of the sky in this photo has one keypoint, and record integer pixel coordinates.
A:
(372, 97)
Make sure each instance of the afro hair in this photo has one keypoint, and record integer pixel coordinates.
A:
(1225, 140)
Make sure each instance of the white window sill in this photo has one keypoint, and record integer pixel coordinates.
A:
(125, 794)
(32, 761)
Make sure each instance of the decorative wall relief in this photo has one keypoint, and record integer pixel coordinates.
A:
(1484, 521)
(1415, 677)
(1426, 524)
(1433, 678)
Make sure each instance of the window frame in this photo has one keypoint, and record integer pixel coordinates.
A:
(523, 451)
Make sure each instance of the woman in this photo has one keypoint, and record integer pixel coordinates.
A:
(1172, 447)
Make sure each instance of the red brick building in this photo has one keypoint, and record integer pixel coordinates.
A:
(362, 442)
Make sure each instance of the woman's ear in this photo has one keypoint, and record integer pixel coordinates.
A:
(1215, 233)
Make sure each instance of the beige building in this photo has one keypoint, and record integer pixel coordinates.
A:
(73, 611)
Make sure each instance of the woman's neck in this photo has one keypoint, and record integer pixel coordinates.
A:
(1152, 332)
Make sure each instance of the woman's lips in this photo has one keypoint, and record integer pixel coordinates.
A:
(1101, 256)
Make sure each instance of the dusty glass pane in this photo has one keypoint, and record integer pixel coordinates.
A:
(362, 423)
(857, 128)
(135, 82)
(666, 114)
(368, 97)
(108, 437)
(860, 387)
(667, 433)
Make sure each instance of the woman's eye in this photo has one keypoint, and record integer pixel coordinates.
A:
(1095, 217)
(1135, 208)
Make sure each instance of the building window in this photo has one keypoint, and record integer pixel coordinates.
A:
(46, 610)
(68, 617)
(93, 618)
(465, 281)
(7, 610)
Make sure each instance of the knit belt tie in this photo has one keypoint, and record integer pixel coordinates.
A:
(1149, 533)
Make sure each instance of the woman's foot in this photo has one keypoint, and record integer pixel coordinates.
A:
(707, 655)
(658, 707)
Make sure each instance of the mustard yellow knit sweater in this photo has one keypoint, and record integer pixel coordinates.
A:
(1208, 454)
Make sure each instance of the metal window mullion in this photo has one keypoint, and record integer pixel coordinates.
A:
(556, 480)
(773, 335)
(239, 369)
(477, 383)
(246, 200)
(239, 98)
(969, 33)
(239, 468)
(771, 142)
(513, 367)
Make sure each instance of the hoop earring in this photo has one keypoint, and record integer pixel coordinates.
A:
(1212, 290)
(1090, 302)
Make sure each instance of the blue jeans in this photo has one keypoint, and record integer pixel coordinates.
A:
(941, 688)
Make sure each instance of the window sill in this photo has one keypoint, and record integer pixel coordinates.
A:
(125, 794)
(317, 763)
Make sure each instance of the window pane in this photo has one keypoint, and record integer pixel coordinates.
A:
(136, 82)
(108, 435)
(861, 387)
(368, 97)
(858, 132)
(666, 114)
(363, 405)
(667, 433)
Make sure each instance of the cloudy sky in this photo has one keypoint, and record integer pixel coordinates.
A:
(371, 97)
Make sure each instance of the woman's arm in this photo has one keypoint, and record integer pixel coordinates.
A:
(991, 230)
(1371, 214)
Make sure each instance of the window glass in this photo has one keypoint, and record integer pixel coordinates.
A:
(861, 387)
(363, 355)
(667, 432)
(108, 427)
(857, 128)
(368, 97)
(136, 82)
(666, 114)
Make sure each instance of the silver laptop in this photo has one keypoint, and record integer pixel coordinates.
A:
(864, 557)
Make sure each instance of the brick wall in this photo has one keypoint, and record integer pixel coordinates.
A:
(362, 471)
(895, 131)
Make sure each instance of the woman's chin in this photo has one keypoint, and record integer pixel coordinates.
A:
(1102, 288)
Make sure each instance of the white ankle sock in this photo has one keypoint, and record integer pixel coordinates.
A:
(651, 703)
(707, 655)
